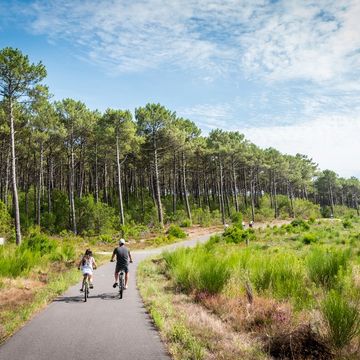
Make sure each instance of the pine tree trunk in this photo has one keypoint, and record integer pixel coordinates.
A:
(174, 185)
(6, 194)
(96, 174)
(252, 185)
(186, 196)
(121, 207)
(71, 187)
(157, 188)
(49, 187)
(13, 175)
(221, 193)
(236, 201)
(331, 200)
(38, 205)
(275, 201)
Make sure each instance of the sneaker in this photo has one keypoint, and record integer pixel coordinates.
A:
(115, 285)
(81, 290)
(91, 286)
(126, 287)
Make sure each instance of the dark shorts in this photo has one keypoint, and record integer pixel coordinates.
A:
(120, 267)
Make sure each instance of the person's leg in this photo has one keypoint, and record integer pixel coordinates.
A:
(126, 279)
(91, 281)
(83, 282)
(116, 275)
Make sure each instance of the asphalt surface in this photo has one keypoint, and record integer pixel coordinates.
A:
(105, 327)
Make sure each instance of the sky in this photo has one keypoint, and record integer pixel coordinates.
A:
(284, 73)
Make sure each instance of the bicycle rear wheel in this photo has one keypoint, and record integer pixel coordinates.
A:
(86, 291)
(121, 286)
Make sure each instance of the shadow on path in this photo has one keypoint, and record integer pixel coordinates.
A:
(80, 297)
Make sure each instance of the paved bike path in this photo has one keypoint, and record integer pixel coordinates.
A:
(103, 328)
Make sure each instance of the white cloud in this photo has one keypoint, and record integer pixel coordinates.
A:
(332, 142)
(209, 116)
(316, 40)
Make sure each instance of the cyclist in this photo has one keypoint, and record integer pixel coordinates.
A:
(87, 264)
(123, 255)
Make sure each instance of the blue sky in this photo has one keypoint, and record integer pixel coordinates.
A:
(285, 73)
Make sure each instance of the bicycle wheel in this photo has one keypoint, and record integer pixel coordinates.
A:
(121, 286)
(86, 291)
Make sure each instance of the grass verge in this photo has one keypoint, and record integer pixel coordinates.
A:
(188, 329)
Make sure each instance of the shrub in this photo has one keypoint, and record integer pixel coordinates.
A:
(237, 219)
(347, 224)
(309, 238)
(324, 266)
(176, 232)
(202, 217)
(65, 253)
(342, 319)
(105, 238)
(235, 234)
(299, 223)
(186, 223)
(17, 262)
(38, 242)
(132, 230)
(306, 209)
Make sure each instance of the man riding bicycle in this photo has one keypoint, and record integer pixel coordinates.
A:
(123, 255)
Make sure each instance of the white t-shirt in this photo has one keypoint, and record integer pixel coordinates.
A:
(87, 263)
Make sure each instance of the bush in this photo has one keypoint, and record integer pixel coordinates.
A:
(342, 319)
(186, 223)
(235, 234)
(17, 262)
(65, 253)
(309, 238)
(299, 223)
(132, 230)
(105, 238)
(38, 242)
(324, 266)
(176, 232)
(347, 224)
(237, 219)
(202, 217)
(306, 209)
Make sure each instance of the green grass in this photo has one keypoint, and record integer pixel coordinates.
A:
(342, 318)
(182, 343)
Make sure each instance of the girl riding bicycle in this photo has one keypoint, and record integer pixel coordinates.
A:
(87, 264)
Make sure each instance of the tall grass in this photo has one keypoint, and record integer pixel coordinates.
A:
(342, 319)
(15, 262)
(324, 266)
(198, 269)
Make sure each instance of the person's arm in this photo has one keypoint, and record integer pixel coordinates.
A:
(80, 263)
(94, 264)
(130, 257)
(113, 255)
